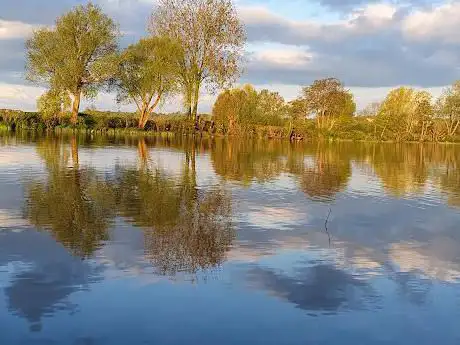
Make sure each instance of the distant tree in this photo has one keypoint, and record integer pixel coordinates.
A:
(448, 108)
(147, 74)
(228, 108)
(235, 107)
(212, 39)
(271, 108)
(371, 110)
(245, 106)
(423, 114)
(53, 104)
(405, 112)
(297, 109)
(76, 55)
(328, 100)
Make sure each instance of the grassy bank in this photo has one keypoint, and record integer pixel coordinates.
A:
(356, 129)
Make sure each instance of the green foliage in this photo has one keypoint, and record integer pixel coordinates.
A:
(11, 117)
(448, 109)
(211, 37)
(52, 105)
(77, 55)
(237, 110)
(147, 74)
(329, 101)
(405, 114)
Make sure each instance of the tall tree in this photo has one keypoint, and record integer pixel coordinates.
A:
(76, 55)
(328, 100)
(147, 74)
(212, 38)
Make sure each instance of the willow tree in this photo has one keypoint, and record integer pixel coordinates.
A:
(76, 55)
(212, 39)
(147, 74)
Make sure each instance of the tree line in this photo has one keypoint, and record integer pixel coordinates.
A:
(327, 109)
(191, 44)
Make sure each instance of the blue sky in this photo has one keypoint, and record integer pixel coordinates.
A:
(371, 45)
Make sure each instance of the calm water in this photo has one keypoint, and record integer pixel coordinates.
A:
(156, 241)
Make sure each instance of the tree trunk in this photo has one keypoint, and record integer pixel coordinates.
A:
(332, 124)
(455, 128)
(75, 107)
(196, 96)
(188, 101)
(383, 132)
(142, 117)
(422, 135)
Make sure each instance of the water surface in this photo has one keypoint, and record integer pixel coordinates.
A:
(120, 240)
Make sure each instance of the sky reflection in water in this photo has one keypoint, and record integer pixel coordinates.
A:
(116, 240)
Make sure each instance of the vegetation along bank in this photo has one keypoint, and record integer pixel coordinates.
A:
(197, 45)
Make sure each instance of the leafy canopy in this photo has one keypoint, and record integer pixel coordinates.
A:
(53, 104)
(76, 55)
(212, 39)
(147, 72)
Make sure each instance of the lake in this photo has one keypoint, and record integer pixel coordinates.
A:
(163, 240)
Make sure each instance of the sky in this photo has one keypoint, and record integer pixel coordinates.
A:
(371, 45)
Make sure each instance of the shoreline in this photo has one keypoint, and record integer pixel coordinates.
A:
(133, 132)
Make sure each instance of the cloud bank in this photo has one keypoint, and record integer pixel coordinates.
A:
(371, 45)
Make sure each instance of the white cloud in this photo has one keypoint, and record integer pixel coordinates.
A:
(371, 17)
(378, 12)
(19, 96)
(282, 55)
(269, 26)
(375, 47)
(14, 29)
(440, 23)
(256, 14)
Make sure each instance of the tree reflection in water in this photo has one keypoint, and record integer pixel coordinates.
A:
(74, 204)
(247, 161)
(186, 229)
(328, 175)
